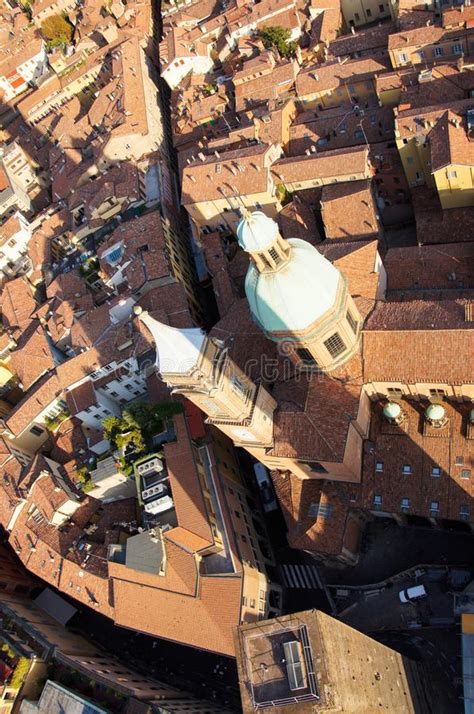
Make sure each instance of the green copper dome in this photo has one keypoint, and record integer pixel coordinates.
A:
(300, 292)
(435, 412)
(392, 410)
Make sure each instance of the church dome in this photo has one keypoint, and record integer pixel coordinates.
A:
(256, 232)
(295, 295)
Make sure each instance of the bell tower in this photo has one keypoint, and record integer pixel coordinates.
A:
(200, 368)
(297, 297)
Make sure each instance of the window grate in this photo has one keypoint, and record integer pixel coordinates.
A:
(335, 345)
(306, 357)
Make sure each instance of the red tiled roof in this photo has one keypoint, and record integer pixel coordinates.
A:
(348, 211)
(185, 484)
(324, 77)
(32, 357)
(206, 622)
(320, 166)
(415, 356)
(422, 452)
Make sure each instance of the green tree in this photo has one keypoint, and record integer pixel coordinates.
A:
(57, 31)
(21, 670)
(165, 410)
(113, 426)
(278, 37)
(134, 436)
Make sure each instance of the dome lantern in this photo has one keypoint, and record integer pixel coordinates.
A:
(258, 235)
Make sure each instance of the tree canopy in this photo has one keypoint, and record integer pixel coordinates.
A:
(278, 37)
(57, 30)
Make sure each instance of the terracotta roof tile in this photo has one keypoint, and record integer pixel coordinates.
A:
(419, 315)
(185, 484)
(297, 220)
(43, 393)
(330, 75)
(327, 164)
(369, 38)
(200, 622)
(435, 225)
(422, 452)
(449, 142)
(420, 121)
(317, 430)
(309, 532)
(17, 304)
(32, 357)
(421, 36)
(427, 267)
(348, 211)
(204, 180)
(428, 359)
(81, 397)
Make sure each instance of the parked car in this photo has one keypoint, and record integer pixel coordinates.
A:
(266, 488)
(417, 592)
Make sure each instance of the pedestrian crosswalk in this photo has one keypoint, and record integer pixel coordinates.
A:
(300, 576)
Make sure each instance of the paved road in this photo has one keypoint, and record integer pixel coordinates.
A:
(388, 549)
(381, 608)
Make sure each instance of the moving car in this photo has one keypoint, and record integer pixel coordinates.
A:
(411, 594)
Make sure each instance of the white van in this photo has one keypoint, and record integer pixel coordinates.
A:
(411, 594)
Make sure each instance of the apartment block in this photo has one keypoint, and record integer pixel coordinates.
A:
(436, 150)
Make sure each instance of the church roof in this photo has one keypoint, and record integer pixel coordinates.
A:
(295, 295)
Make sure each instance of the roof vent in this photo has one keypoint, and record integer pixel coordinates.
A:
(393, 413)
(435, 415)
